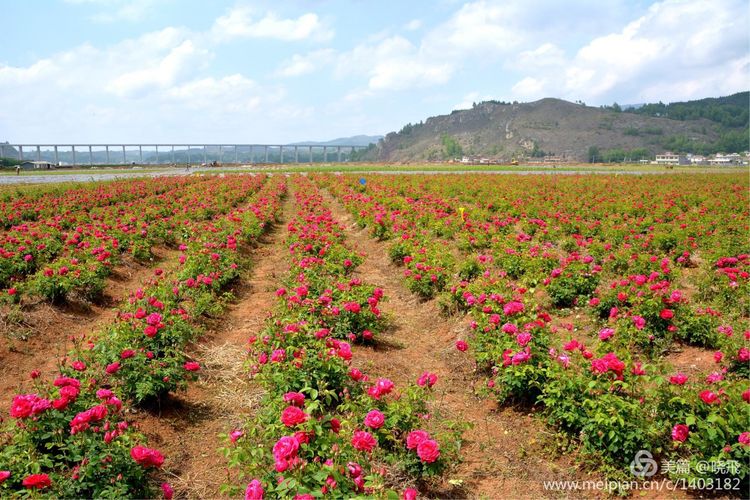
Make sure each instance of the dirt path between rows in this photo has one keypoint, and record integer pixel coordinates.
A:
(44, 337)
(502, 453)
(187, 427)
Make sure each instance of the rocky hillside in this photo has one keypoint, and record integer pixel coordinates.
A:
(546, 127)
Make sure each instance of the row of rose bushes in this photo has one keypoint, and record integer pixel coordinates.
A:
(71, 438)
(538, 258)
(72, 252)
(324, 428)
(609, 394)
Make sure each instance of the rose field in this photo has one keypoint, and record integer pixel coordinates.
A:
(395, 336)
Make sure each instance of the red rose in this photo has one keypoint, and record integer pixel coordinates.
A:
(192, 366)
(38, 481)
(292, 416)
(147, 457)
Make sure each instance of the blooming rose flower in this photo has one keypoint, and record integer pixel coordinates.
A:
(147, 457)
(680, 432)
(364, 441)
(192, 366)
(37, 481)
(410, 494)
(295, 398)
(292, 416)
(666, 314)
(744, 439)
(254, 490)
(427, 379)
(709, 397)
(606, 333)
(461, 345)
(235, 435)
(639, 322)
(285, 448)
(678, 379)
(513, 307)
(4, 474)
(428, 451)
(416, 437)
(167, 490)
(743, 354)
(374, 419)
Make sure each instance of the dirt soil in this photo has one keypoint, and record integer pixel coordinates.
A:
(187, 427)
(503, 452)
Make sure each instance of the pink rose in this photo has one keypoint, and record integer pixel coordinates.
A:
(375, 419)
(416, 437)
(680, 432)
(254, 490)
(364, 441)
(428, 451)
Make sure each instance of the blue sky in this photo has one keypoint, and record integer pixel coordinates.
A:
(284, 71)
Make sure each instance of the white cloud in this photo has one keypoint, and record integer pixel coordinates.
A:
(394, 63)
(413, 25)
(146, 88)
(468, 101)
(240, 22)
(299, 65)
(529, 89)
(547, 54)
(161, 73)
(677, 49)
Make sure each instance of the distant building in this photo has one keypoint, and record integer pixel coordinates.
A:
(37, 165)
(671, 159)
(722, 159)
(698, 160)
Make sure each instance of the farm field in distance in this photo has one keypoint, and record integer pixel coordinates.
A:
(302, 333)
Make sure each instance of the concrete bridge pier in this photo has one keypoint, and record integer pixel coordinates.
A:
(124, 156)
(205, 155)
(107, 149)
(296, 154)
(38, 153)
(281, 154)
(339, 153)
(57, 160)
(325, 154)
(140, 155)
(309, 152)
(91, 157)
(73, 149)
(172, 155)
(266, 148)
(20, 153)
(157, 154)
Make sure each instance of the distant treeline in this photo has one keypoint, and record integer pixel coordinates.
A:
(729, 112)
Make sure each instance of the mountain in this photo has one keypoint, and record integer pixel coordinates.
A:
(569, 130)
(355, 140)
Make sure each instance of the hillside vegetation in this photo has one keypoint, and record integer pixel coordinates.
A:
(572, 131)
